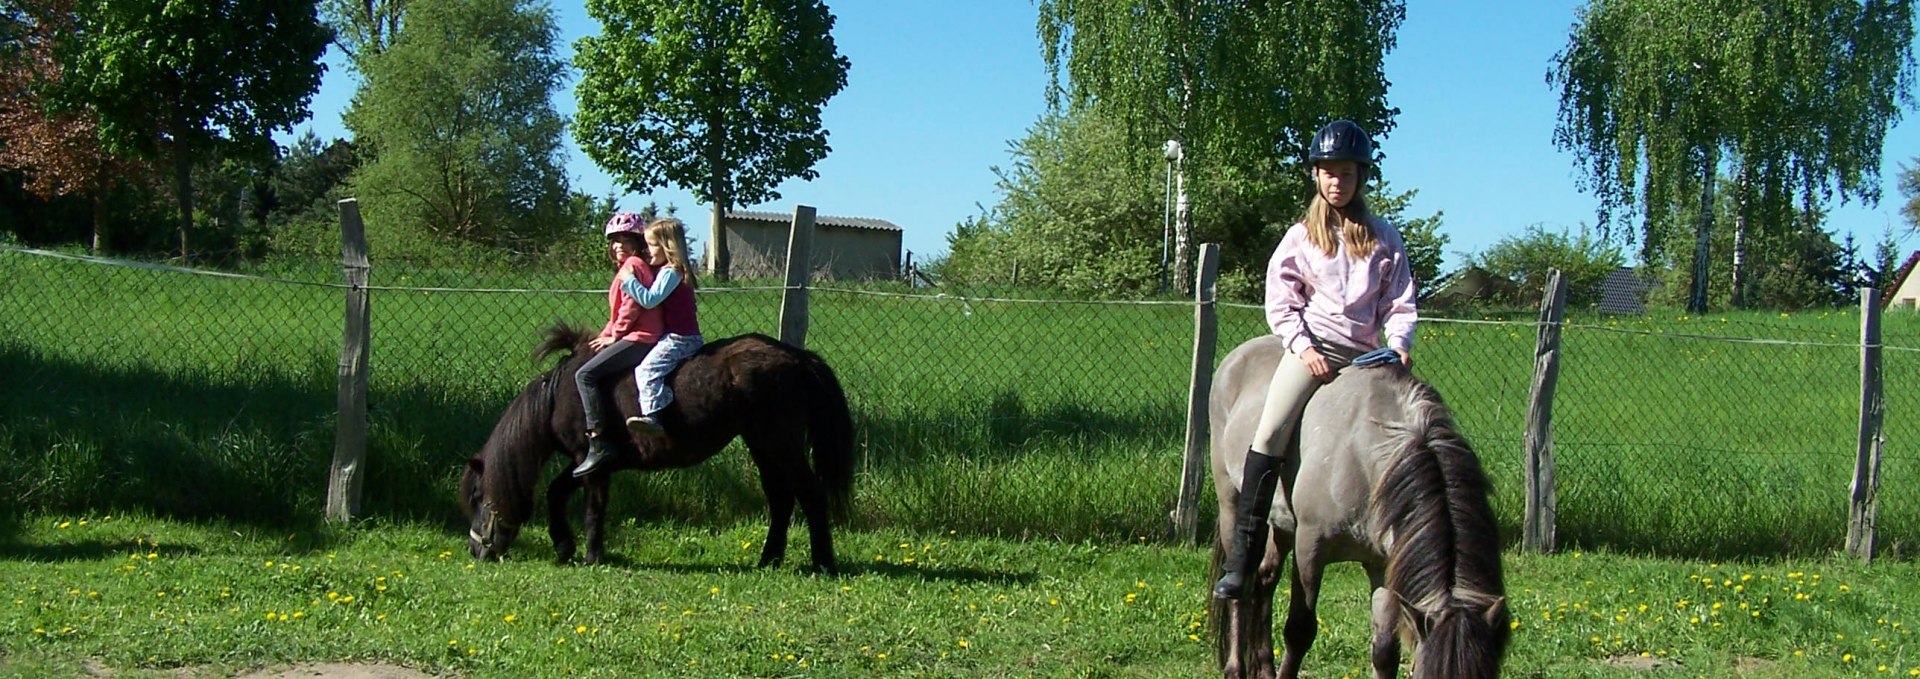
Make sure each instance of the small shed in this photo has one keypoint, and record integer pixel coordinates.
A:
(1473, 287)
(844, 248)
(1903, 291)
(1623, 292)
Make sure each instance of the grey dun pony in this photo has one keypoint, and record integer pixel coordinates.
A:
(1378, 475)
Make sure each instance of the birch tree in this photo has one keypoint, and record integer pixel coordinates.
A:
(1241, 86)
(1791, 98)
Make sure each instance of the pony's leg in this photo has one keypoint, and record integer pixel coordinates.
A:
(597, 485)
(1266, 581)
(779, 516)
(1303, 619)
(559, 491)
(780, 468)
(1386, 640)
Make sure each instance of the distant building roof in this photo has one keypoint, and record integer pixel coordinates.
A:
(1899, 278)
(819, 220)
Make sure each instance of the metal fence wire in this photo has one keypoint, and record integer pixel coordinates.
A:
(200, 392)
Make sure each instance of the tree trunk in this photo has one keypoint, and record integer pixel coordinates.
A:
(182, 171)
(721, 265)
(1182, 216)
(1702, 237)
(1737, 297)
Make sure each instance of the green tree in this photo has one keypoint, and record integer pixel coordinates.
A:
(1584, 259)
(185, 78)
(1231, 81)
(721, 98)
(457, 115)
(1426, 246)
(364, 28)
(1792, 98)
(1910, 190)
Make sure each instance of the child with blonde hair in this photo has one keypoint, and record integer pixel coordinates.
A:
(1339, 292)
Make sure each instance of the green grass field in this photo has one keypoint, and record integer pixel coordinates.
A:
(149, 597)
(196, 396)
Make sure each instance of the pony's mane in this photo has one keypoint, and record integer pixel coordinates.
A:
(1433, 500)
(500, 469)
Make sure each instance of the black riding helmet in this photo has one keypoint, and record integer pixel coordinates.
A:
(1341, 140)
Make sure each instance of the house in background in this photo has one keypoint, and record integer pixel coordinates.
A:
(1904, 290)
(844, 248)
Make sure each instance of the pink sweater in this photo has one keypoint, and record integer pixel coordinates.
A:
(627, 320)
(1340, 299)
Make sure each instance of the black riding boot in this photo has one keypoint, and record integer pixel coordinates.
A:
(596, 453)
(1249, 545)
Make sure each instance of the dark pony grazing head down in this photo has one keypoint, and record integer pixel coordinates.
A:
(497, 504)
(1444, 571)
(783, 401)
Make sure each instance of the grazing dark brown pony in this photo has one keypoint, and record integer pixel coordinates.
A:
(1380, 476)
(775, 397)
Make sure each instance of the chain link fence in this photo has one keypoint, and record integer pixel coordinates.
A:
(203, 393)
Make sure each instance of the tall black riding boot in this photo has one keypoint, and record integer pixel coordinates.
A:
(1249, 545)
(596, 453)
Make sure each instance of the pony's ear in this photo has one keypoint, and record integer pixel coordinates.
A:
(1412, 616)
(1496, 611)
(475, 465)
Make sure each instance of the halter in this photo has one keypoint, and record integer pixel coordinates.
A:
(490, 527)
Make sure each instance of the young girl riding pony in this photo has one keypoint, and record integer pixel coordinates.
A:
(1338, 283)
(670, 290)
(631, 329)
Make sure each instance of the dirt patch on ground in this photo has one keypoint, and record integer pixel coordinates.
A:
(1634, 662)
(335, 670)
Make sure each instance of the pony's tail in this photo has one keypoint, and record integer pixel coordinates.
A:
(561, 337)
(830, 429)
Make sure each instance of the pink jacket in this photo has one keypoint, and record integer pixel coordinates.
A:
(1339, 299)
(627, 320)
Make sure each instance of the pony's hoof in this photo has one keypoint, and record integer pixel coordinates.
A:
(827, 569)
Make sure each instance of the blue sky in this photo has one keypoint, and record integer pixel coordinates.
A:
(938, 89)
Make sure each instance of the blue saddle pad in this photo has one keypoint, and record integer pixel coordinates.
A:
(1377, 357)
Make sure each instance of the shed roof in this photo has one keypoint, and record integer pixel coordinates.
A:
(819, 220)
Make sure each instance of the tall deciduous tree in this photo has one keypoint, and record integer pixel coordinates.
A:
(1231, 81)
(364, 28)
(59, 153)
(182, 77)
(720, 97)
(1792, 98)
(457, 113)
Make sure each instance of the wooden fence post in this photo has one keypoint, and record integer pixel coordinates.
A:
(793, 302)
(1864, 508)
(346, 478)
(1538, 527)
(1186, 514)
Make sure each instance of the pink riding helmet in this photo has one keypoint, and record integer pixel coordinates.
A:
(625, 222)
